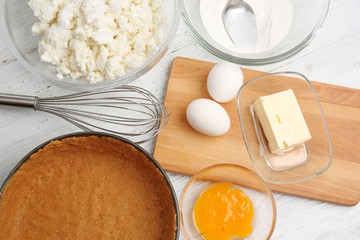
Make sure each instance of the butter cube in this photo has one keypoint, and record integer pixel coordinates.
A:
(282, 121)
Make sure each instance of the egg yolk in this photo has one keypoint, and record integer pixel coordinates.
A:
(222, 212)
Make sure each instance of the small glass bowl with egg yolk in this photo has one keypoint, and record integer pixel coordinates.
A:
(227, 202)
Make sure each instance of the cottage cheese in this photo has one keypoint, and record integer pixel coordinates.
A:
(97, 39)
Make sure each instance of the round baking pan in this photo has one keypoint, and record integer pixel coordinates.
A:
(80, 134)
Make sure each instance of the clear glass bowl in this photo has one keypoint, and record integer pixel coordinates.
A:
(308, 17)
(17, 19)
(313, 158)
(242, 178)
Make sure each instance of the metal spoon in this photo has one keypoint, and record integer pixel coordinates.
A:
(240, 23)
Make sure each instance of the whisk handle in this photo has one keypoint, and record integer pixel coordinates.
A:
(18, 100)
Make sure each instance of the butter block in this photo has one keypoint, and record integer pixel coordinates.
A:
(282, 121)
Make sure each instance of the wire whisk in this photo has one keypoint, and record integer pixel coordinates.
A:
(128, 111)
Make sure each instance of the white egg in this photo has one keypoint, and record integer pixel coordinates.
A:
(224, 81)
(208, 117)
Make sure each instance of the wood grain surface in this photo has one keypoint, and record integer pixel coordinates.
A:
(181, 149)
(331, 57)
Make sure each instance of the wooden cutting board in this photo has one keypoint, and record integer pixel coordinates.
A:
(181, 149)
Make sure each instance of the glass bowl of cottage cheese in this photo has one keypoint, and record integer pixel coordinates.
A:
(254, 32)
(89, 44)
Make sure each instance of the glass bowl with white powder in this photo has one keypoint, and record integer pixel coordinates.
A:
(254, 32)
(89, 44)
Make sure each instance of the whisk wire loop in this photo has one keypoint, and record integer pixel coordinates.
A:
(129, 111)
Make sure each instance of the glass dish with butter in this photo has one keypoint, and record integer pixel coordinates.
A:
(284, 127)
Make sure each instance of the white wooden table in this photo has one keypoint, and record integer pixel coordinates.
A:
(333, 57)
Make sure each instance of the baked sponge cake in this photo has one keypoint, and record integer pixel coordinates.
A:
(87, 187)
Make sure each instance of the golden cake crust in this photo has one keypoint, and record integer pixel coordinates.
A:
(88, 187)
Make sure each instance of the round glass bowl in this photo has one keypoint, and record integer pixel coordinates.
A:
(308, 17)
(303, 162)
(17, 19)
(250, 183)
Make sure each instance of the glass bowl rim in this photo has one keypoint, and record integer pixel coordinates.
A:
(253, 61)
(242, 168)
(303, 77)
(129, 77)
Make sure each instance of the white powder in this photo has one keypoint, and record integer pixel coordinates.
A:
(273, 20)
(97, 39)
